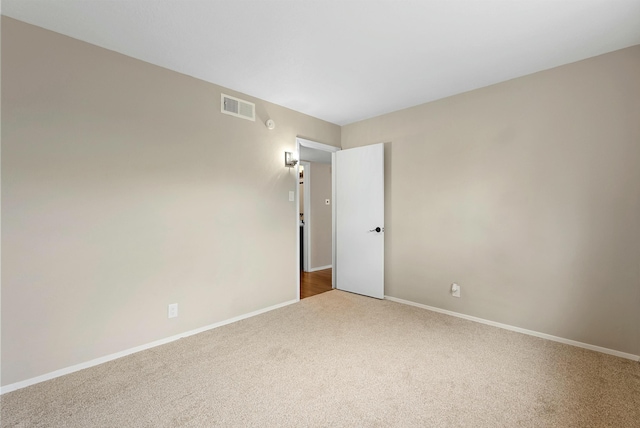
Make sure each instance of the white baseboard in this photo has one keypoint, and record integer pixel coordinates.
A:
(101, 360)
(519, 330)
(320, 268)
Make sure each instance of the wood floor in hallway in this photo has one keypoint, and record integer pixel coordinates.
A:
(312, 283)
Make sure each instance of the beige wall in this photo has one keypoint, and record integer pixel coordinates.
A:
(320, 226)
(125, 189)
(527, 194)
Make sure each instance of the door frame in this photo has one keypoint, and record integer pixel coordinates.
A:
(307, 212)
(326, 148)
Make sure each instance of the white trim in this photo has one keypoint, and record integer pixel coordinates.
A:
(315, 145)
(298, 255)
(519, 330)
(315, 269)
(307, 215)
(101, 360)
(333, 220)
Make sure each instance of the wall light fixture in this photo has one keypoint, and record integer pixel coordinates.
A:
(289, 161)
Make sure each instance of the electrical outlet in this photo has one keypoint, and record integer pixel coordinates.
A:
(455, 290)
(173, 310)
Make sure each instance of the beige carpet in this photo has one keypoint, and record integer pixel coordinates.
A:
(339, 359)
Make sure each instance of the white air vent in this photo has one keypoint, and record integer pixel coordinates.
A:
(237, 107)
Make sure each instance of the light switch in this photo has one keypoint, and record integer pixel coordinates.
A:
(327, 202)
(292, 196)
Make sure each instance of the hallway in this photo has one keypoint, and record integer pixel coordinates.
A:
(312, 283)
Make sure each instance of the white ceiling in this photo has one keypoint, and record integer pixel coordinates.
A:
(345, 60)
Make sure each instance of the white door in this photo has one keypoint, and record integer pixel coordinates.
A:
(359, 204)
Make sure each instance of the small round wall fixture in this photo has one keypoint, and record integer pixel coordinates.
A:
(270, 124)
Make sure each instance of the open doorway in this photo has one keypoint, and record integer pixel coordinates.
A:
(315, 217)
(315, 224)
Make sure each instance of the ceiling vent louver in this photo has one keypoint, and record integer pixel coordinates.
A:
(237, 107)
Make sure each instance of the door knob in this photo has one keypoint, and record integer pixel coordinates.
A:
(377, 229)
